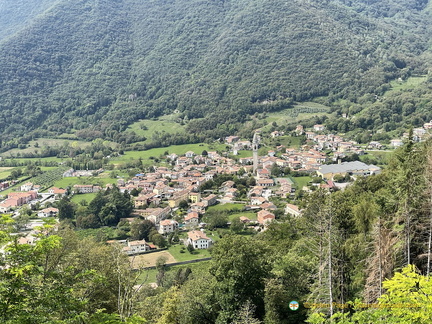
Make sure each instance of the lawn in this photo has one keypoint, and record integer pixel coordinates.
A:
(301, 182)
(243, 154)
(227, 207)
(251, 215)
(70, 181)
(179, 257)
(77, 198)
(288, 141)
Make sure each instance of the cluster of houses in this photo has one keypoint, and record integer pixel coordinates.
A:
(419, 135)
(165, 189)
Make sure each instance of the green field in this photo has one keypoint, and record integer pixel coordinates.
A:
(227, 207)
(77, 198)
(410, 83)
(41, 142)
(158, 152)
(249, 214)
(164, 124)
(243, 154)
(299, 109)
(33, 160)
(300, 182)
(5, 172)
(197, 254)
(70, 181)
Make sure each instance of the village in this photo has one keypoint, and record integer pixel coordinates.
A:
(173, 199)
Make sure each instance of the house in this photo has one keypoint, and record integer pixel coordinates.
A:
(168, 226)
(265, 182)
(231, 139)
(200, 207)
(198, 240)
(191, 219)
(299, 130)
(136, 247)
(265, 217)
(6, 206)
(83, 189)
(292, 210)
(396, 143)
(210, 200)
(48, 212)
(190, 154)
(194, 197)
(175, 200)
(57, 191)
(27, 186)
(140, 201)
(21, 198)
(318, 128)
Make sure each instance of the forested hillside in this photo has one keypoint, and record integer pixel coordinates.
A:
(97, 66)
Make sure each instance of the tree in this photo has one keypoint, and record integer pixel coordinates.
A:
(236, 225)
(405, 301)
(216, 220)
(183, 204)
(21, 222)
(141, 229)
(240, 267)
(66, 209)
(190, 248)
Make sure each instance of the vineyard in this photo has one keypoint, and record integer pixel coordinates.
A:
(47, 179)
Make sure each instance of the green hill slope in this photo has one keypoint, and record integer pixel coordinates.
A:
(100, 65)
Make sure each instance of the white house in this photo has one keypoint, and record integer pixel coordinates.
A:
(27, 186)
(136, 247)
(292, 209)
(168, 226)
(396, 142)
(198, 240)
(48, 212)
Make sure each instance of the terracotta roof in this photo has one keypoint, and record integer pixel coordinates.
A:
(196, 235)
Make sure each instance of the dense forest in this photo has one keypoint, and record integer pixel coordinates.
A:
(97, 66)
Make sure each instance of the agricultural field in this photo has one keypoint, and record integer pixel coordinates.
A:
(70, 181)
(164, 124)
(410, 83)
(48, 178)
(5, 172)
(299, 111)
(149, 259)
(36, 146)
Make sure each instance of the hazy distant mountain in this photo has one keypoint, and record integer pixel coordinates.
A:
(101, 64)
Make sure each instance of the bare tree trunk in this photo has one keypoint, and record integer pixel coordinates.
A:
(329, 260)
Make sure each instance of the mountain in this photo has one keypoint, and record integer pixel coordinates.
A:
(99, 65)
